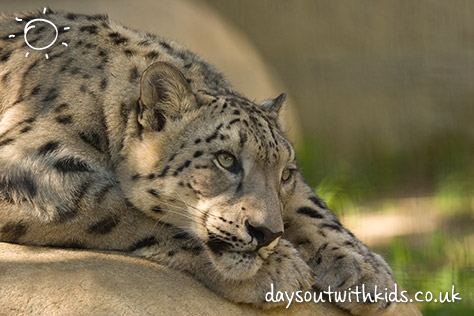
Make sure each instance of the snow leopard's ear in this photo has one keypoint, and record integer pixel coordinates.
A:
(164, 94)
(274, 106)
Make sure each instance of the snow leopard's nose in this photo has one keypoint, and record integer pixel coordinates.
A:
(262, 235)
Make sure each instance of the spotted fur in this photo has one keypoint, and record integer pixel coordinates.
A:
(112, 143)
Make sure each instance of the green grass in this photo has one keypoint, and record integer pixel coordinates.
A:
(433, 263)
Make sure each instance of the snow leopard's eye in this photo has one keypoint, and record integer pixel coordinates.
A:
(286, 175)
(226, 160)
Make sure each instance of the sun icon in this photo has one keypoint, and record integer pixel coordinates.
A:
(31, 25)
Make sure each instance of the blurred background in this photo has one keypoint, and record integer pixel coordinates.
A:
(381, 97)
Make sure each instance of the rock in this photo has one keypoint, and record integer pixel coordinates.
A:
(45, 281)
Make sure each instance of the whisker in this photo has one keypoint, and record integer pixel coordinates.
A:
(201, 212)
(194, 218)
(195, 208)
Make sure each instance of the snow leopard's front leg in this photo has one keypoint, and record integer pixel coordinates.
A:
(338, 259)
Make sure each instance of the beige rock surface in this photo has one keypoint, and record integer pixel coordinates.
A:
(44, 281)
